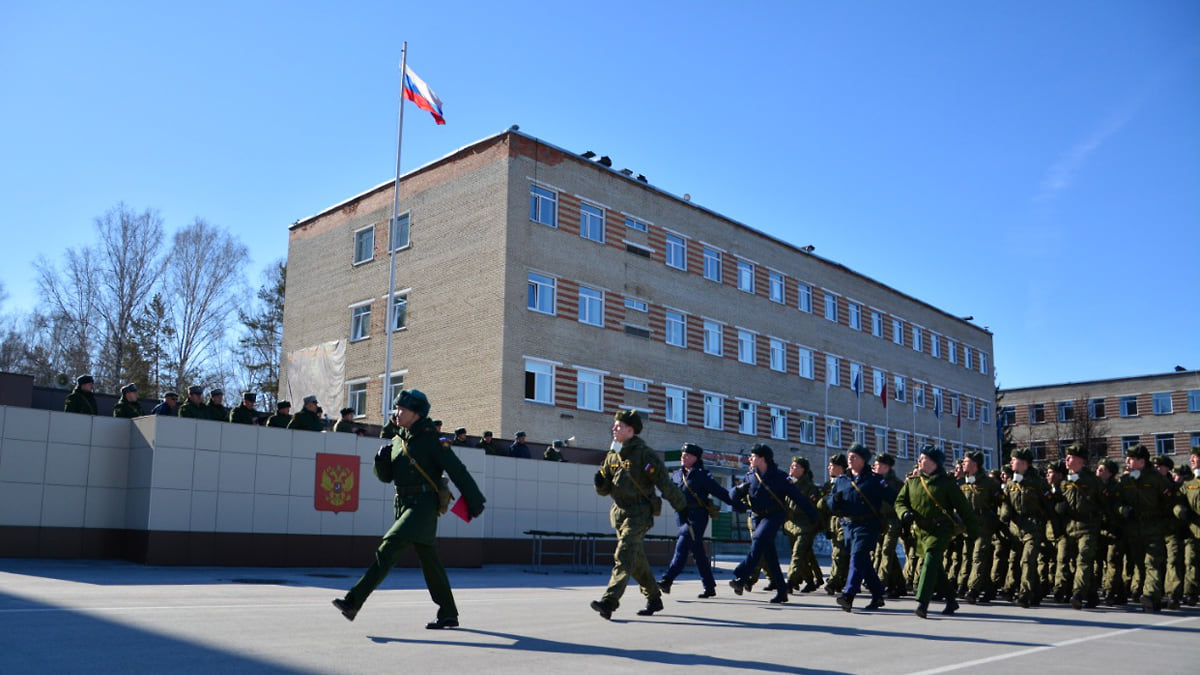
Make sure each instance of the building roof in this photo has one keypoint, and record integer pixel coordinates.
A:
(1110, 380)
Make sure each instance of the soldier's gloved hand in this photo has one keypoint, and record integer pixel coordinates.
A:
(908, 518)
(1062, 508)
(385, 453)
(1126, 511)
(599, 479)
(474, 511)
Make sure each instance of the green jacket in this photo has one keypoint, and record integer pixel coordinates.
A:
(1188, 509)
(216, 411)
(127, 409)
(1026, 503)
(345, 427)
(984, 497)
(552, 454)
(306, 420)
(800, 523)
(935, 500)
(1084, 503)
(243, 415)
(195, 411)
(1148, 498)
(279, 421)
(630, 476)
(80, 401)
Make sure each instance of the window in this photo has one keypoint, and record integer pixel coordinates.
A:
(399, 311)
(591, 222)
(712, 264)
(591, 306)
(877, 324)
(745, 276)
(1162, 403)
(916, 339)
(714, 412)
(541, 293)
(858, 433)
(1038, 448)
(589, 390)
(1096, 408)
(878, 380)
(898, 384)
(778, 423)
(898, 332)
(939, 404)
(1194, 402)
(966, 357)
(635, 224)
(804, 298)
(972, 410)
(676, 252)
(360, 322)
(747, 418)
(952, 351)
(636, 305)
(746, 346)
(881, 441)
(1037, 413)
(919, 394)
(935, 345)
(1195, 439)
(808, 429)
(778, 355)
(634, 384)
(1129, 406)
(856, 377)
(675, 329)
(775, 286)
(1066, 411)
(983, 363)
(543, 206)
(1164, 444)
(832, 376)
(539, 381)
(395, 385)
(1008, 416)
(713, 338)
(676, 405)
(356, 397)
(400, 232)
(902, 448)
(985, 413)
(831, 312)
(806, 363)
(1128, 442)
(833, 433)
(364, 245)
(856, 316)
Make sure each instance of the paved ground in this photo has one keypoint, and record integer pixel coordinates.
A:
(104, 616)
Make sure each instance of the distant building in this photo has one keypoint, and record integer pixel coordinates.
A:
(1162, 412)
(539, 290)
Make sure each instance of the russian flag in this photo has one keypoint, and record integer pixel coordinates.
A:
(419, 93)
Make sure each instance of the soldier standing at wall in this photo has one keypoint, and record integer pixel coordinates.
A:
(168, 406)
(128, 407)
(307, 419)
(193, 407)
(245, 412)
(283, 415)
(345, 423)
(217, 411)
(81, 399)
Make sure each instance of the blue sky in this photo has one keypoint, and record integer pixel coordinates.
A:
(1032, 164)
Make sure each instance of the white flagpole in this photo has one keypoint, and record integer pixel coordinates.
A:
(387, 360)
(826, 420)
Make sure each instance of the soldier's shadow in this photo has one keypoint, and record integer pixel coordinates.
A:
(526, 643)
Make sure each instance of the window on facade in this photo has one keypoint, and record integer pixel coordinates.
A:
(775, 286)
(589, 390)
(935, 345)
(591, 306)
(399, 311)
(674, 329)
(919, 394)
(1129, 407)
(1096, 408)
(356, 397)
(898, 331)
(1164, 444)
(712, 264)
(858, 433)
(832, 375)
(675, 405)
(952, 351)
(971, 409)
(394, 386)
(881, 439)
(966, 356)
(714, 412)
(364, 245)
(833, 433)
(360, 322)
(540, 297)
(939, 405)
(856, 316)
(1162, 403)
(778, 423)
(1194, 402)
(746, 346)
(591, 222)
(985, 413)
(808, 429)
(806, 363)
(635, 224)
(636, 305)
(745, 276)
(676, 252)
(916, 339)
(747, 418)
(778, 351)
(1066, 411)
(1008, 416)
(877, 324)
(831, 312)
(634, 384)
(543, 206)
(898, 385)
(400, 232)
(878, 379)
(902, 448)
(1128, 442)
(539, 381)
(713, 338)
(804, 298)
(1037, 413)
(983, 363)
(1195, 439)
(1038, 448)
(856, 377)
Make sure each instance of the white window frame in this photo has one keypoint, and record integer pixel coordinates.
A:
(400, 233)
(804, 363)
(364, 253)
(1193, 399)
(676, 252)
(1122, 407)
(1061, 409)
(898, 331)
(881, 439)
(901, 391)
(952, 350)
(856, 369)
(831, 307)
(745, 276)
(543, 205)
(935, 345)
(637, 305)
(675, 328)
(360, 321)
(878, 379)
(902, 445)
(808, 428)
(591, 306)
(714, 338)
(712, 263)
(983, 363)
(540, 292)
(747, 346)
(985, 413)
(833, 375)
(1160, 403)
(589, 389)
(966, 350)
(714, 411)
(876, 324)
(833, 432)
(855, 318)
(674, 404)
(804, 298)
(917, 341)
(400, 310)
(591, 222)
(778, 422)
(635, 224)
(356, 396)
(632, 383)
(1160, 444)
(778, 351)
(392, 385)
(543, 373)
(919, 394)
(747, 418)
(775, 286)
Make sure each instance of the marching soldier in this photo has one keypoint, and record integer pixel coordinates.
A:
(216, 406)
(1188, 510)
(983, 494)
(1081, 505)
(838, 553)
(82, 399)
(859, 498)
(283, 415)
(1111, 571)
(804, 568)
(1024, 509)
(697, 484)
(245, 412)
(1175, 531)
(307, 419)
(128, 407)
(1053, 543)
(887, 563)
(1145, 502)
(193, 407)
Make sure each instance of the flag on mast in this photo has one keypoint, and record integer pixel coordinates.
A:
(419, 93)
(883, 394)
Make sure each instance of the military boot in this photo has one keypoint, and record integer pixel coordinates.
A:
(603, 608)
(876, 603)
(846, 602)
(708, 593)
(922, 610)
(345, 608)
(737, 586)
(652, 605)
(664, 585)
(781, 597)
(951, 607)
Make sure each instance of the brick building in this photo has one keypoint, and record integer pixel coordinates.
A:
(1162, 412)
(540, 290)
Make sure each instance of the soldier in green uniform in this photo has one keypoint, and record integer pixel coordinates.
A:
(887, 563)
(193, 407)
(1188, 510)
(1081, 505)
(82, 399)
(553, 452)
(216, 406)
(1145, 499)
(283, 415)
(389, 430)
(1175, 532)
(1053, 543)
(629, 474)
(839, 553)
(128, 407)
(933, 506)
(345, 423)
(487, 443)
(307, 419)
(802, 530)
(983, 494)
(1111, 571)
(245, 413)
(1024, 509)
(415, 461)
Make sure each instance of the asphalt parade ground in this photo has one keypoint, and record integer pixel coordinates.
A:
(81, 616)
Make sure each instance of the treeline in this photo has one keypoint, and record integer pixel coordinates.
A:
(161, 312)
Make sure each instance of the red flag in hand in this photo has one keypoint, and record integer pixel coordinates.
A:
(460, 509)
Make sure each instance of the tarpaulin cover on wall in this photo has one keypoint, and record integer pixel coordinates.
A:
(318, 371)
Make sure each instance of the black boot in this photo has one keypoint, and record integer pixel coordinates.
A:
(708, 593)
(876, 603)
(780, 597)
(345, 608)
(603, 608)
(652, 605)
(846, 602)
(664, 585)
(440, 624)
(951, 607)
(737, 586)
(972, 597)
(922, 609)
(1077, 602)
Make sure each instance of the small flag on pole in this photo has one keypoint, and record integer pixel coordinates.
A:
(419, 93)
(856, 384)
(883, 394)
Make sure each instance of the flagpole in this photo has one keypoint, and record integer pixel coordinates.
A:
(387, 359)
(826, 420)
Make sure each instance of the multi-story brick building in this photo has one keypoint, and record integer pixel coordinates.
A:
(1162, 412)
(540, 290)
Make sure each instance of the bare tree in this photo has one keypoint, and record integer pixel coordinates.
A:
(70, 297)
(259, 349)
(1088, 431)
(205, 283)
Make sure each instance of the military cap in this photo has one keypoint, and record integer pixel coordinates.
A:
(487, 434)
(196, 389)
(249, 396)
(693, 449)
(802, 461)
(1138, 451)
(1183, 471)
(976, 457)
(283, 404)
(216, 392)
(885, 458)
(345, 411)
(436, 423)
(630, 417)
(1077, 450)
(412, 399)
(1022, 453)
(171, 394)
(839, 460)
(460, 430)
(128, 388)
(310, 399)
(558, 444)
(85, 379)
(860, 450)
(763, 450)
(1163, 460)
(519, 434)
(937, 455)
(1110, 465)
(1057, 467)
